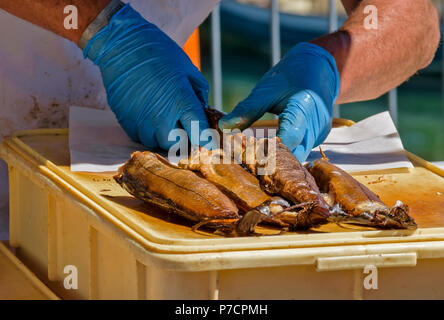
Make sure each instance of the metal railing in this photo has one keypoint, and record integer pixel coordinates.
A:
(216, 55)
(332, 27)
(393, 105)
(275, 53)
(275, 32)
(275, 48)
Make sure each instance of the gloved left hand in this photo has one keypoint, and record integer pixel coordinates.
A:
(151, 84)
(301, 89)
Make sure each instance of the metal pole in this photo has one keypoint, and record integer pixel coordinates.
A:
(216, 58)
(332, 17)
(332, 27)
(393, 105)
(275, 32)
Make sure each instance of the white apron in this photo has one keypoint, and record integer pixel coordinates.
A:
(42, 74)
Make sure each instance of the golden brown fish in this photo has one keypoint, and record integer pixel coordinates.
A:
(151, 178)
(280, 173)
(242, 187)
(353, 202)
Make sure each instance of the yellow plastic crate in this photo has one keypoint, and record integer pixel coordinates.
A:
(17, 282)
(124, 249)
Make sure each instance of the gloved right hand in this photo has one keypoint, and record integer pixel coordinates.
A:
(301, 89)
(151, 84)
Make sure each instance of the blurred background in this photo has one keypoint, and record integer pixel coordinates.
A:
(245, 43)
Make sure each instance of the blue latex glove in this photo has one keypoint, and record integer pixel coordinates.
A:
(301, 89)
(151, 84)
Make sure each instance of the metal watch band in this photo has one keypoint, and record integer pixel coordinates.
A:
(100, 21)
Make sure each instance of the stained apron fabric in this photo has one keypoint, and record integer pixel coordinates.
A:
(42, 74)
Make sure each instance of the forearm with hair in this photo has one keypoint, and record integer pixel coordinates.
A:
(373, 61)
(49, 14)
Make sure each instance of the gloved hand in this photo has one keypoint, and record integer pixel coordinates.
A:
(301, 89)
(151, 84)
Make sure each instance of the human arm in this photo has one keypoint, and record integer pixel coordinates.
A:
(351, 64)
(373, 61)
(50, 14)
(151, 84)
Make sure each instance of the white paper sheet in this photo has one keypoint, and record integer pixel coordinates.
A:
(97, 143)
(439, 164)
(370, 144)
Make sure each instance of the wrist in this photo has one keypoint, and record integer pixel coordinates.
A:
(99, 22)
(318, 63)
(111, 39)
(338, 45)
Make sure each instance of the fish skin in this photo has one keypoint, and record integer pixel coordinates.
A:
(293, 182)
(236, 182)
(356, 202)
(289, 180)
(151, 178)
